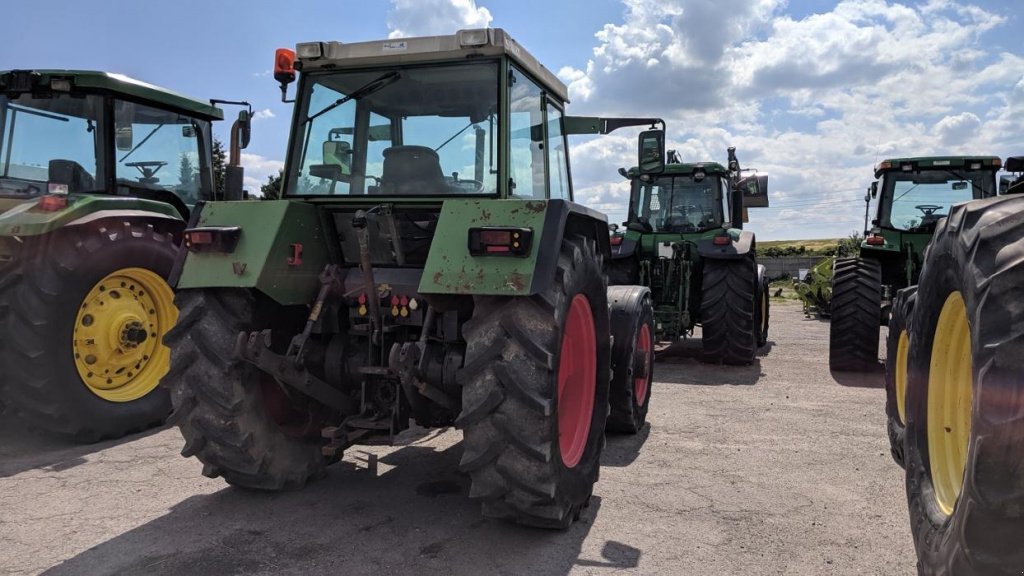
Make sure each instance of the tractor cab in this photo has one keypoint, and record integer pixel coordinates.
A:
(68, 132)
(684, 198)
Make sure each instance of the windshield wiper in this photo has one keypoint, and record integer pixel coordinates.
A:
(148, 136)
(358, 93)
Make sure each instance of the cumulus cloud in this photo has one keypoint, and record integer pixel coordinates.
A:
(263, 114)
(434, 17)
(814, 100)
(257, 170)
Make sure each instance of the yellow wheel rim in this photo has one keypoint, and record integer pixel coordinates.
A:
(118, 334)
(902, 347)
(949, 402)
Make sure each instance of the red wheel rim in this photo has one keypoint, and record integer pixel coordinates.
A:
(577, 381)
(642, 364)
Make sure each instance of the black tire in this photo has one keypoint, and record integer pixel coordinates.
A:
(624, 272)
(763, 310)
(39, 304)
(977, 252)
(856, 301)
(728, 317)
(902, 310)
(219, 401)
(510, 396)
(630, 311)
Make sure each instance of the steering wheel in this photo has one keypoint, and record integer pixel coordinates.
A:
(928, 209)
(148, 168)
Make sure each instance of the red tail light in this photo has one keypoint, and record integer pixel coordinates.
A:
(875, 240)
(52, 203)
(616, 240)
(721, 240)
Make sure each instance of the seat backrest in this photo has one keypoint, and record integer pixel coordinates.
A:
(412, 170)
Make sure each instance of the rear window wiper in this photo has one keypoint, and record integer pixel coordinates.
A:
(358, 93)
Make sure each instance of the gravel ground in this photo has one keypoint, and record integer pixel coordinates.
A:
(776, 468)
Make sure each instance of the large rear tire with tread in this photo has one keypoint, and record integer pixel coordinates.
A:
(897, 346)
(221, 404)
(535, 394)
(965, 402)
(856, 305)
(81, 317)
(632, 327)
(728, 317)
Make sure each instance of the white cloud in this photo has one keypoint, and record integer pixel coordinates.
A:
(815, 101)
(434, 17)
(263, 114)
(257, 170)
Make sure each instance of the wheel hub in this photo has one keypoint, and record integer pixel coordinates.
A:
(116, 341)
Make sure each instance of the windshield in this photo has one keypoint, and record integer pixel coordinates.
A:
(159, 150)
(915, 201)
(678, 204)
(428, 130)
(43, 139)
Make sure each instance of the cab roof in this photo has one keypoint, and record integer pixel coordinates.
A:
(937, 163)
(464, 44)
(27, 80)
(686, 169)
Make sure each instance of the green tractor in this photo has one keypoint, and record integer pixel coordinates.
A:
(963, 363)
(427, 263)
(684, 239)
(97, 175)
(815, 288)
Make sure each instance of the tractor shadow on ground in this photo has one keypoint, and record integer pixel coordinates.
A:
(23, 449)
(680, 363)
(622, 449)
(874, 378)
(406, 512)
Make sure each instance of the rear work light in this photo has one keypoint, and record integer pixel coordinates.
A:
(221, 239)
(500, 241)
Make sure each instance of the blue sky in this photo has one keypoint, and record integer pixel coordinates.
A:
(812, 92)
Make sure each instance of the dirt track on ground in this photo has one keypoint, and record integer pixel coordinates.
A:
(775, 468)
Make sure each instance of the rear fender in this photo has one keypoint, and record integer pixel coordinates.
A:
(26, 219)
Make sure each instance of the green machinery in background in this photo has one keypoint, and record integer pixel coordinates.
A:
(427, 263)
(97, 176)
(959, 359)
(684, 239)
(815, 288)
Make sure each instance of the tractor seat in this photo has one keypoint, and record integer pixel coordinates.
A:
(412, 170)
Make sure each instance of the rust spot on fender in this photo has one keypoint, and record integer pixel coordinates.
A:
(437, 277)
(535, 206)
(516, 281)
(485, 215)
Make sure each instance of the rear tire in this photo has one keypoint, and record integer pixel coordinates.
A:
(976, 256)
(511, 415)
(220, 402)
(632, 325)
(897, 346)
(43, 300)
(856, 302)
(728, 317)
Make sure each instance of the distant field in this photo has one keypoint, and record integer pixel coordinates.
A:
(809, 245)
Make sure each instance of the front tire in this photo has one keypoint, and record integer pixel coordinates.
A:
(728, 318)
(897, 345)
(81, 321)
(227, 409)
(535, 394)
(856, 302)
(965, 401)
(632, 325)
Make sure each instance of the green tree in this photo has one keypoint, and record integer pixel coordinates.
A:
(272, 189)
(850, 246)
(219, 164)
(186, 171)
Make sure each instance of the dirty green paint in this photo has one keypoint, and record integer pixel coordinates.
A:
(24, 219)
(8, 203)
(451, 270)
(260, 260)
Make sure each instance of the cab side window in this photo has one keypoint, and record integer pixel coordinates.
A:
(157, 149)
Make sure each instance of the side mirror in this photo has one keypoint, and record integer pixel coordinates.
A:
(874, 189)
(1014, 164)
(613, 226)
(755, 191)
(123, 137)
(244, 129)
(651, 152)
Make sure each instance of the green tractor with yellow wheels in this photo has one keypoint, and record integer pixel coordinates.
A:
(962, 357)
(684, 239)
(427, 263)
(97, 175)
